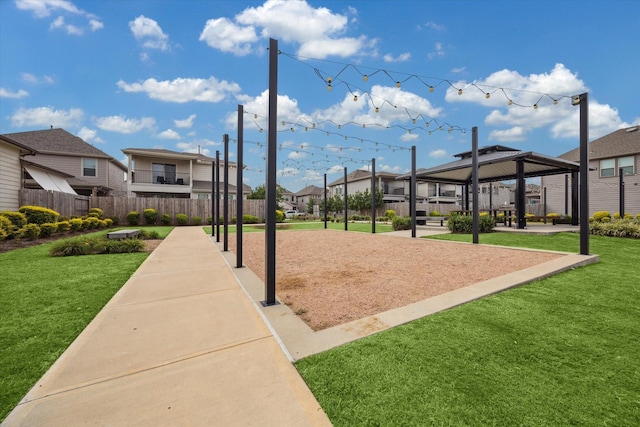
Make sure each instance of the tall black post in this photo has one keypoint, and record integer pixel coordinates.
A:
(544, 202)
(621, 209)
(271, 185)
(490, 196)
(346, 202)
(412, 192)
(574, 198)
(566, 194)
(466, 196)
(475, 182)
(239, 187)
(584, 174)
(217, 216)
(520, 194)
(225, 203)
(325, 200)
(213, 198)
(373, 195)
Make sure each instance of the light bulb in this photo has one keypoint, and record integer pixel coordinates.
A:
(283, 123)
(535, 106)
(329, 87)
(377, 110)
(450, 130)
(313, 125)
(365, 77)
(291, 129)
(409, 131)
(431, 88)
(487, 95)
(339, 126)
(459, 91)
(364, 125)
(426, 124)
(555, 102)
(429, 132)
(397, 84)
(260, 130)
(355, 97)
(510, 102)
(329, 80)
(413, 121)
(306, 129)
(255, 116)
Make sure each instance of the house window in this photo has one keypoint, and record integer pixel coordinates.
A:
(164, 173)
(626, 164)
(608, 167)
(89, 167)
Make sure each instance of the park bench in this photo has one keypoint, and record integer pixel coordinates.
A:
(422, 220)
(123, 234)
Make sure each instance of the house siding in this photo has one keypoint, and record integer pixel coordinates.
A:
(115, 180)
(10, 177)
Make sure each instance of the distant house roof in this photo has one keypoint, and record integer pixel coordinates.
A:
(495, 163)
(623, 142)
(359, 175)
(310, 190)
(59, 141)
(23, 148)
(170, 154)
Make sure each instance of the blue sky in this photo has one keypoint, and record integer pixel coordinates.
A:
(170, 74)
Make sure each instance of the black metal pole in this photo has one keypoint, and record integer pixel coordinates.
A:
(475, 226)
(213, 198)
(373, 195)
(584, 174)
(271, 185)
(412, 192)
(346, 202)
(217, 219)
(225, 202)
(490, 196)
(544, 202)
(239, 187)
(520, 194)
(566, 194)
(466, 196)
(325, 200)
(621, 209)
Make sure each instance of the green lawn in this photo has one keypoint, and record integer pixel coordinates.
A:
(46, 302)
(561, 351)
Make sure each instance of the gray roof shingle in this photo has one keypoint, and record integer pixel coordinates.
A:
(623, 142)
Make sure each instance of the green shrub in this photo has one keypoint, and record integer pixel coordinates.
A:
(115, 220)
(96, 212)
(209, 219)
(401, 223)
(91, 223)
(486, 224)
(182, 219)
(70, 247)
(250, 219)
(165, 219)
(280, 216)
(6, 228)
(133, 218)
(148, 234)
(63, 226)
(434, 213)
(39, 215)
(47, 229)
(390, 213)
(108, 222)
(460, 223)
(95, 245)
(18, 219)
(30, 231)
(600, 215)
(76, 224)
(553, 215)
(196, 220)
(150, 216)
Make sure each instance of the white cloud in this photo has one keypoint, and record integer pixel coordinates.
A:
(90, 135)
(7, 93)
(124, 125)
(288, 111)
(147, 31)
(515, 134)
(224, 35)
(458, 70)
(335, 169)
(183, 90)
(45, 8)
(438, 52)
(288, 171)
(408, 137)
(400, 58)
(169, 134)
(391, 169)
(434, 26)
(318, 31)
(186, 123)
(31, 78)
(540, 89)
(46, 116)
(199, 146)
(438, 154)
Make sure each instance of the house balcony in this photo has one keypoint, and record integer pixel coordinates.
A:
(150, 182)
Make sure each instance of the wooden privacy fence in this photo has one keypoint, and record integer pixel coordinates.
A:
(72, 205)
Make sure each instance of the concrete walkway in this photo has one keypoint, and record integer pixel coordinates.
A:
(179, 344)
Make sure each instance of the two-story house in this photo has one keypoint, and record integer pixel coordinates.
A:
(172, 174)
(11, 155)
(88, 170)
(360, 181)
(305, 196)
(609, 156)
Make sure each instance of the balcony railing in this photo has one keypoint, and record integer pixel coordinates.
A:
(150, 177)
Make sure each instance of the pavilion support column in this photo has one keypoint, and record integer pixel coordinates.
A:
(520, 194)
(466, 196)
